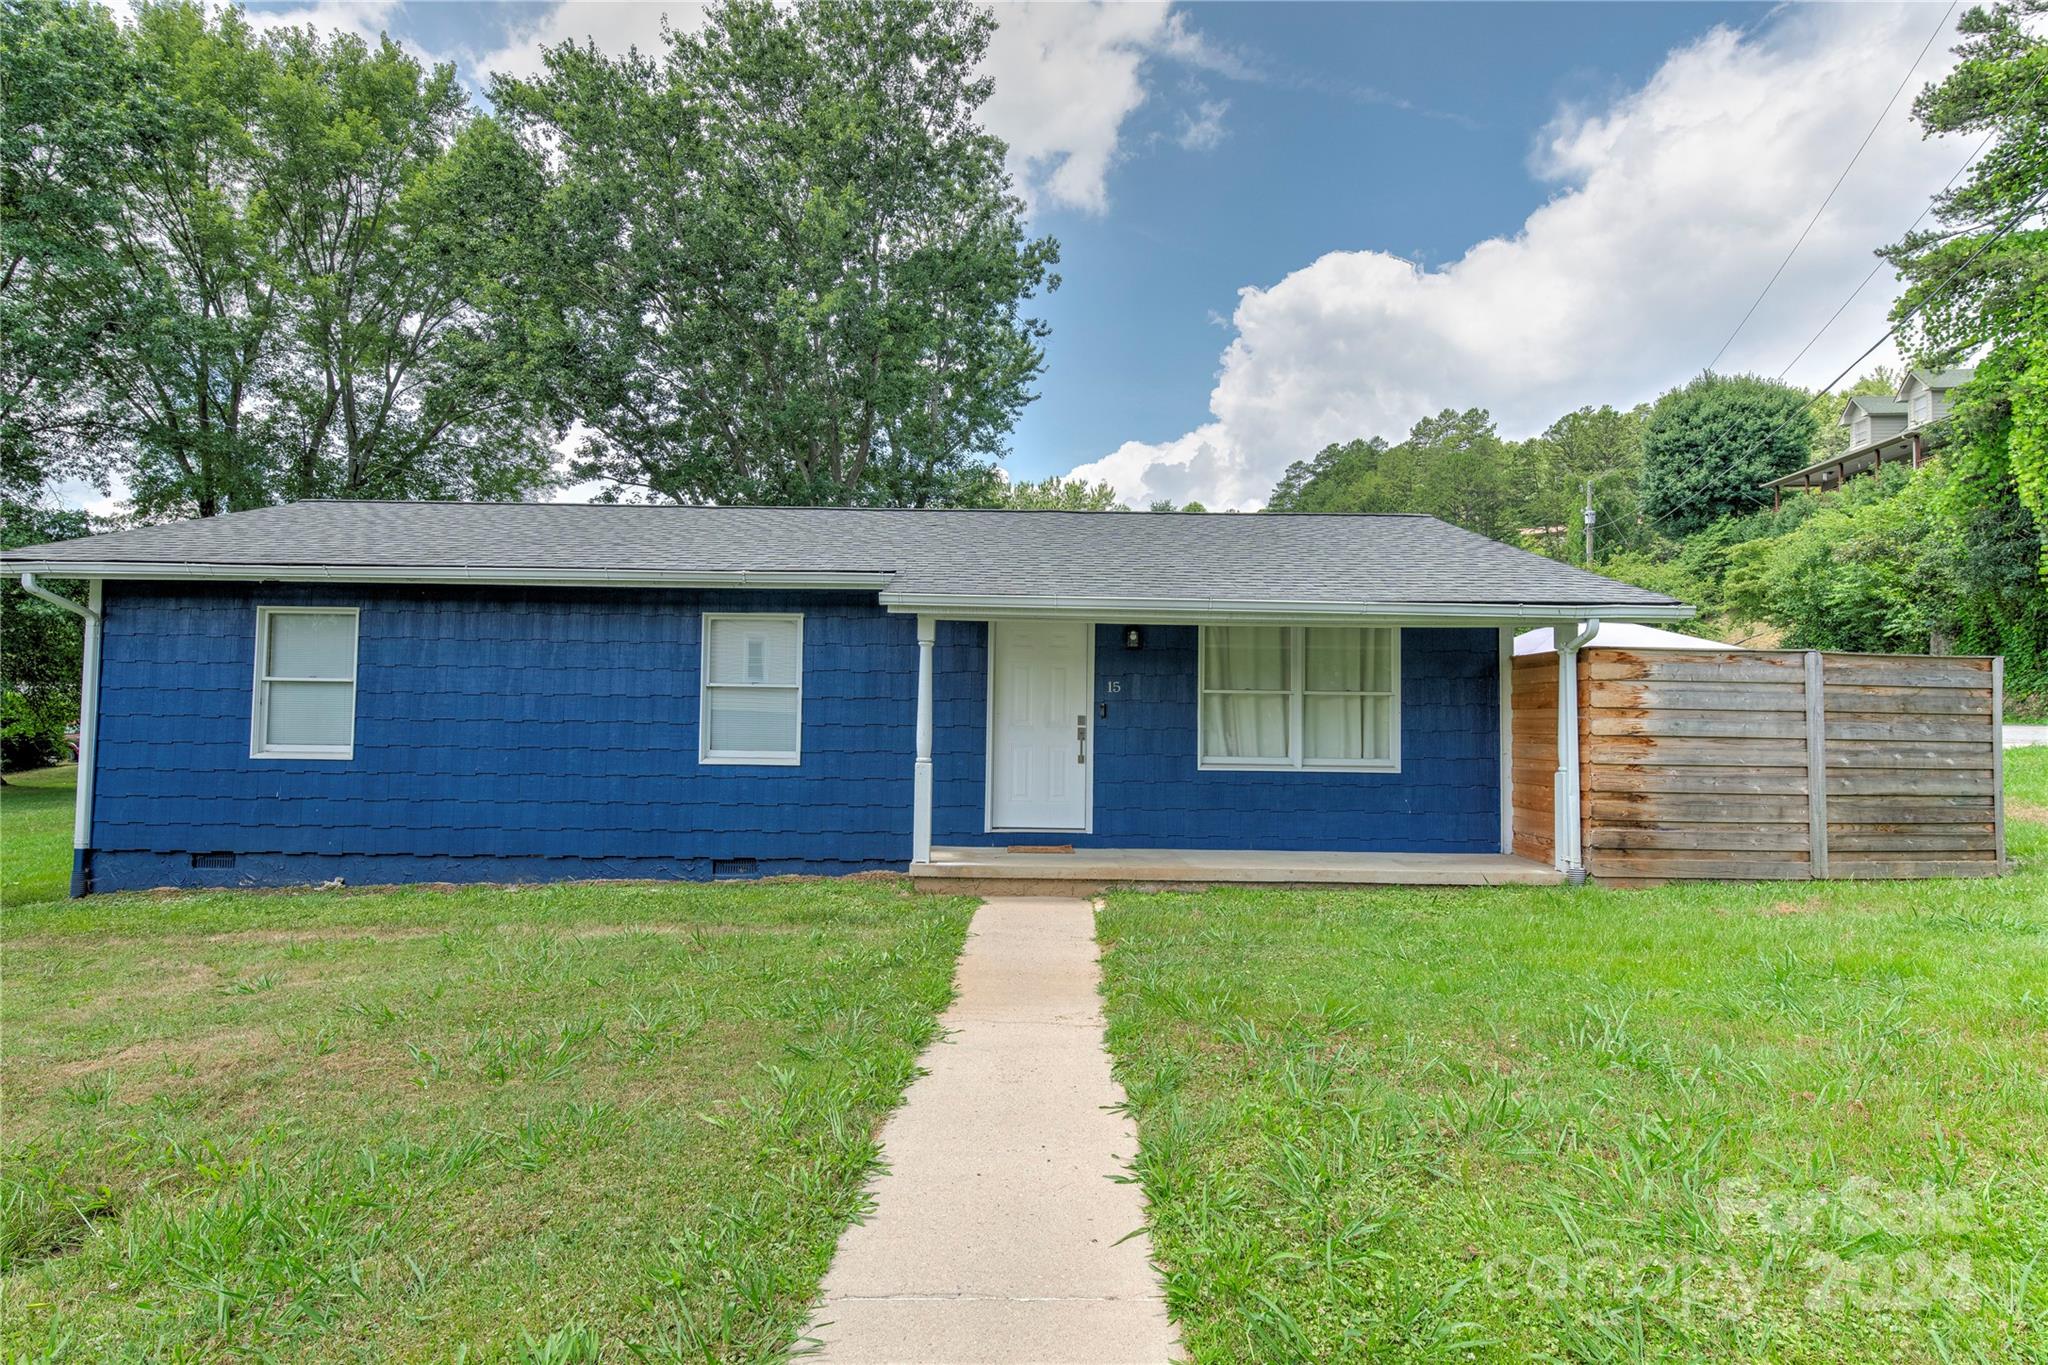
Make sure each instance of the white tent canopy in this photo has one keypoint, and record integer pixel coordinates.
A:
(1619, 635)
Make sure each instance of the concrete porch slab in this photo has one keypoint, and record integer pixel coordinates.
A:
(998, 871)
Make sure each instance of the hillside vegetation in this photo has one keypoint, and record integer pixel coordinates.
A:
(1947, 557)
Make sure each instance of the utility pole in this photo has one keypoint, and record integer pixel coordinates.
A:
(1589, 523)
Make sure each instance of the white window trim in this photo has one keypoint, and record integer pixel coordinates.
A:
(773, 758)
(1297, 740)
(259, 706)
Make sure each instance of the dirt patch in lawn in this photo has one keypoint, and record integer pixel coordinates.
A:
(206, 1052)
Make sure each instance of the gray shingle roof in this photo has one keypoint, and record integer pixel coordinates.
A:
(1945, 379)
(1367, 561)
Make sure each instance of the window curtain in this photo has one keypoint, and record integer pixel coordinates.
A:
(1347, 713)
(1246, 692)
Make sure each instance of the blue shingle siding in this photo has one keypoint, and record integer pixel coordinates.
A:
(501, 734)
(1150, 794)
(508, 734)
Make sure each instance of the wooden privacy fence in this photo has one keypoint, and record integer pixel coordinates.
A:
(1745, 764)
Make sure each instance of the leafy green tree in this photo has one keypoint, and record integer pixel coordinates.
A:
(1603, 446)
(408, 368)
(1453, 465)
(184, 323)
(68, 106)
(39, 665)
(1976, 281)
(1709, 447)
(794, 269)
(1054, 494)
(249, 267)
(1335, 475)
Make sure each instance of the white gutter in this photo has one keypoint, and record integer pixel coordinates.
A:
(1156, 611)
(442, 573)
(1569, 837)
(88, 723)
(1148, 610)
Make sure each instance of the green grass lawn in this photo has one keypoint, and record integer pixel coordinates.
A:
(563, 1124)
(623, 1121)
(35, 836)
(1793, 1122)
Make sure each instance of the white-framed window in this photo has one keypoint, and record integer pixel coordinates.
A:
(305, 694)
(1923, 408)
(753, 674)
(1300, 697)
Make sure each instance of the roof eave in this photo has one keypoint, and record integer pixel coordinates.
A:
(1191, 611)
(164, 571)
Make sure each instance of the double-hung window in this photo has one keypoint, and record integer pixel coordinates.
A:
(1282, 697)
(305, 702)
(753, 672)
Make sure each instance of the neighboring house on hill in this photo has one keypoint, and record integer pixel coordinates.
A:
(402, 692)
(1881, 431)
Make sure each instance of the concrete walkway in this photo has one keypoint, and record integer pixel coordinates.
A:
(2025, 736)
(999, 1229)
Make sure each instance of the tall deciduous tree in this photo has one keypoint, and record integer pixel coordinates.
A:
(412, 371)
(39, 675)
(1709, 447)
(68, 108)
(249, 267)
(797, 270)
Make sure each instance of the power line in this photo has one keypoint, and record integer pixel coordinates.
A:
(1904, 80)
(1988, 137)
(1932, 296)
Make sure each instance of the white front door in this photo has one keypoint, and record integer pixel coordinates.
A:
(1041, 743)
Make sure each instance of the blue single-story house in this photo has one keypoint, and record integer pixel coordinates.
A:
(403, 692)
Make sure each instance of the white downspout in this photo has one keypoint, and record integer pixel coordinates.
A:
(88, 722)
(1565, 798)
(921, 790)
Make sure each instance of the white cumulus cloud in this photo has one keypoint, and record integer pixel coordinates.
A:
(1067, 76)
(1673, 205)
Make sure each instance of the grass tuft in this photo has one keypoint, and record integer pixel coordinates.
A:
(572, 1123)
(1693, 1122)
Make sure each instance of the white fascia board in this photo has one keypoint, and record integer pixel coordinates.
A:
(1151, 611)
(317, 573)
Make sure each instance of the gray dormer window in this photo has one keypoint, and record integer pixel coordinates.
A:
(1923, 408)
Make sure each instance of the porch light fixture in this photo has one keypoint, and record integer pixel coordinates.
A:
(1134, 637)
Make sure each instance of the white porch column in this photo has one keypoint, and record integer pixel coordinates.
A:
(1570, 856)
(88, 721)
(921, 796)
(1507, 738)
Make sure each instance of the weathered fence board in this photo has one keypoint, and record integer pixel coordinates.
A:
(1884, 753)
(1723, 781)
(1769, 764)
(1533, 756)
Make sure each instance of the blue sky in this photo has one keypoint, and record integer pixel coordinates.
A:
(1287, 224)
(1405, 128)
